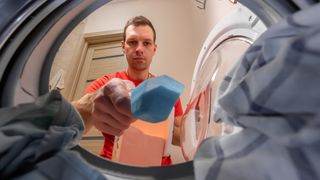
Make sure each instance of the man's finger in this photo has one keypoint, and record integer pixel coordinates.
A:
(118, 93)
(129, 85)
(105, 106)
(106, 128)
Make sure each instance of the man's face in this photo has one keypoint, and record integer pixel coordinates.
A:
(139, 47)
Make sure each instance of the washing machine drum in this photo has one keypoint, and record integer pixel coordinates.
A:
(32, 31)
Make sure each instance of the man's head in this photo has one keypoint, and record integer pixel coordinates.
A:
(139, 43)
(139, 21)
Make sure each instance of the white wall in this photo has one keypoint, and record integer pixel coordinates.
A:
(205, 20)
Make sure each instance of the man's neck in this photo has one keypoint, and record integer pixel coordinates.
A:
(138, 75)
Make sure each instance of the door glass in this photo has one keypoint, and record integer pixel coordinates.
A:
(197, 121)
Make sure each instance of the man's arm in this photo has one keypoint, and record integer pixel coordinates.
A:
(176, 131)
(84, 106)
(178, 112)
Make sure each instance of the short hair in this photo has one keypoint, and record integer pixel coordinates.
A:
(139, 21)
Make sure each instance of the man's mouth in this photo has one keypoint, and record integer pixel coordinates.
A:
(139, 58)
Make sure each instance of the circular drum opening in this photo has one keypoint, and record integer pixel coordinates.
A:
(30, 49)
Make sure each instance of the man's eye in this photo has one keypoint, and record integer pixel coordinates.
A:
(132, 43)
(147, 43)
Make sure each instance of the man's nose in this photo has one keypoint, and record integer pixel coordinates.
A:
(140, 48)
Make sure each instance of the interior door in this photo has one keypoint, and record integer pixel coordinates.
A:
(100, 59)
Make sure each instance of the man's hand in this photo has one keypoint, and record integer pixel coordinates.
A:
(111, 112)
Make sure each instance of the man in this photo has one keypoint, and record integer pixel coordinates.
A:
(107, 102)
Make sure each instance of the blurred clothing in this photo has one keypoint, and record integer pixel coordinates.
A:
(273, 94)
(36, 139)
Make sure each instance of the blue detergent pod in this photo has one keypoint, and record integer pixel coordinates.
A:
(154, 98)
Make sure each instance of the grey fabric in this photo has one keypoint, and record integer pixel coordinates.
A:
(273, 93)
(305, 3)
(36, 138)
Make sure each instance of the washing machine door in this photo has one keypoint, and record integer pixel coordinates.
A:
(222, 50)
(31, 32)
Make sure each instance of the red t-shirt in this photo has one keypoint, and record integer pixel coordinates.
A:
(109, 139)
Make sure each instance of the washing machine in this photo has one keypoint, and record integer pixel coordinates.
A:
(31, 32)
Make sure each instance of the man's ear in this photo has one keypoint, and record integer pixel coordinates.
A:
(122, 45)
(155, 47)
